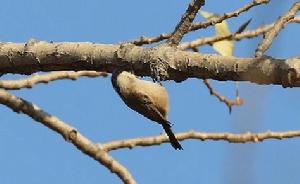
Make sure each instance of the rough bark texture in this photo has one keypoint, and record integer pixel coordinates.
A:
(43, 56)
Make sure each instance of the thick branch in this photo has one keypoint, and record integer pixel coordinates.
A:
(186, 21)
(43, 56)
(69, 133)
(279, 24)
(37, 79)
(230, 137)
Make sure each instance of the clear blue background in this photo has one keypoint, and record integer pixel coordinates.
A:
(31, 153)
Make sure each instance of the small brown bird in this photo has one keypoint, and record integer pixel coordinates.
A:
(145, 97)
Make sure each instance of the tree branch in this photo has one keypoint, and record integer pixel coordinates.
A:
(43, 56)
(247, 34)
(69, 133)
(237, 101)
(233, 36)
(203, 136)
(37, 79)
(229, 103)
(225, 16)
(200, 25)
(185, 23)
(272, 33)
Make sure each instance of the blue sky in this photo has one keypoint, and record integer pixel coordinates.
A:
(31, 153)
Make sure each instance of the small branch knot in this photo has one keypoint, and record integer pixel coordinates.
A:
(123, 49)
(292, 77)
(121, 53)
(71, 136)
(158, 68)
(159, 62)
(31, 42)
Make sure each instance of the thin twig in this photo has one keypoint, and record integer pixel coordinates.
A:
(243, 26)
(233, 36)
(237, 37)
(272, 33)
(69, 133)
(219, 19)
(185, 23)
(203, 136)
(237, 101)
(200, 25)
(45, 78)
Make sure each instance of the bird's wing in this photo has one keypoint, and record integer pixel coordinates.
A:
(143, 104)
(149, 110)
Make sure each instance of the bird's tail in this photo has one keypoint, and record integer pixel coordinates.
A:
(172, 138)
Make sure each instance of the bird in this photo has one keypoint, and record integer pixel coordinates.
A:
(145, 97)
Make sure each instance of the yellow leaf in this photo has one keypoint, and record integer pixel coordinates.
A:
(224, 47)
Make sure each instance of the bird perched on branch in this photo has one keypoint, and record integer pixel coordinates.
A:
(145, 97)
